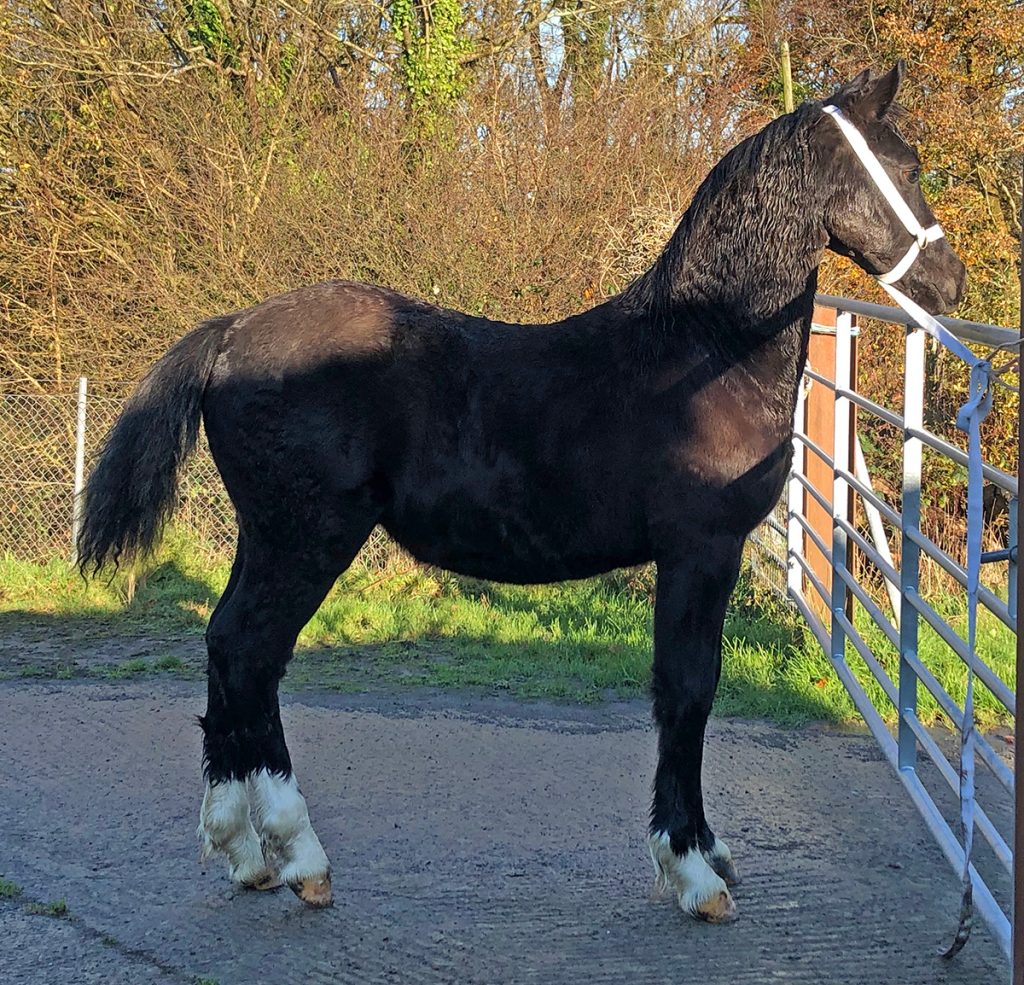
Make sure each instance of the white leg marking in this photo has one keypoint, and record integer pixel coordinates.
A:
(719, 850)
(283, 822)
(224, 826)
(720, 859)
(700, 891)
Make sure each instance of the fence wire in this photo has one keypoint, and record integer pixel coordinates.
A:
(766, 552)
(37, 478)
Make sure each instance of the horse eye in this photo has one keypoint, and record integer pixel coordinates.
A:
(913, 174)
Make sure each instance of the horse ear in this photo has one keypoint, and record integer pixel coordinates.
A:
(855, 85)
(871, 100)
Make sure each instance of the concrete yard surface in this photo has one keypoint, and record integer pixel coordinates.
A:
(474, 840)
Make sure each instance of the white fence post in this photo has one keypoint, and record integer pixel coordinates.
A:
(840, 489)
(76, 512)
(877, 528)
(910, 554)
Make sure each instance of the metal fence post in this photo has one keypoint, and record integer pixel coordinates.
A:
(840, 489)
(910, 554)
(76, 510)
(795, 504)
(1011, 572)
(1017, 960)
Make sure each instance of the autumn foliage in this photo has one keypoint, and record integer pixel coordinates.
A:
(160, 162)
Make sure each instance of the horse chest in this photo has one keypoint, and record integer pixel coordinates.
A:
(729, 453)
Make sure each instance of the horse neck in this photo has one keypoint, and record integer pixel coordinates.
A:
(741, 267)
(735, 286)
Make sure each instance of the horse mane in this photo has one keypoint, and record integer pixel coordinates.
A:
(753, 186)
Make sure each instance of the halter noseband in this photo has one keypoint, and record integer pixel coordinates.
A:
(922, 236)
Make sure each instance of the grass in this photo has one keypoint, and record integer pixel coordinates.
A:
(55, 908)
(583, 641)
(995, 644)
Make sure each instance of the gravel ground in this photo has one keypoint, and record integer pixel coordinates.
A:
(474, 840)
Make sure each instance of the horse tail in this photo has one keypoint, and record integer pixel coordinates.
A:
(132, 490)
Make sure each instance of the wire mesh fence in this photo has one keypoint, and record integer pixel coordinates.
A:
(38, 434)
(766, 552)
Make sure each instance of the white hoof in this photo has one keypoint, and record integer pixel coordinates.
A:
(224, 827)
(289, 842)
(701, 892)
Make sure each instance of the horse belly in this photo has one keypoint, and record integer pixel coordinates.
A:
(547, 543)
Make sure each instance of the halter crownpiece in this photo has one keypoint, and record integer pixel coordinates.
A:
(922, 236)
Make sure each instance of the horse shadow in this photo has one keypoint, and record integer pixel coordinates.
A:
(132, 625)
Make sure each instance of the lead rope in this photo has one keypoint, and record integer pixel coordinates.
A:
(968, 419)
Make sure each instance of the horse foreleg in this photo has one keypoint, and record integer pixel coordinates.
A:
(689, 614)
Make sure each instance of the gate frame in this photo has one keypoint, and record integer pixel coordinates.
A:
(1018, 730)
(836, 631)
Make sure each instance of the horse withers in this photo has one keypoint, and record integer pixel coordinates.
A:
(656, 426)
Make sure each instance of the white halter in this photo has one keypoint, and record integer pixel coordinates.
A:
(922, 236)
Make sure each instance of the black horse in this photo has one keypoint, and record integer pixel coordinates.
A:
(656, 426)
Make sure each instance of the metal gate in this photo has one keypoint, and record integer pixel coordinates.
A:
(853, 559)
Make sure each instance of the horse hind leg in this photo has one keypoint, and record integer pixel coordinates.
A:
(250, 640)
(290, 846)
(225, 828)
(224, 824)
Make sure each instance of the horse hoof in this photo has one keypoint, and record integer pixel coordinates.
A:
(263, 881)
(726, 869)
(720, 908)
(314, 891)
(701, 891)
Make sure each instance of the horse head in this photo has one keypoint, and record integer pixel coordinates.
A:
(876, 212)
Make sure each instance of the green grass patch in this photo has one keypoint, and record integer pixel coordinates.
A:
(169, 663)
(55, 908)
(127, 669)
(175, 594)
(8, 889)
(582, 641)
